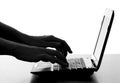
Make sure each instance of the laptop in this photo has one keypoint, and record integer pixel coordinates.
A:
(84, 65)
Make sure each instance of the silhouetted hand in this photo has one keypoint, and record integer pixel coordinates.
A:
(54, 42)
(34, 54)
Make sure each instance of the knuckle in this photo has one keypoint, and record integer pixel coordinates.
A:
(51, 36)
(64, 41)
(58, 45)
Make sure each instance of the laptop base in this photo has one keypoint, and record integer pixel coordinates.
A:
(65, 74)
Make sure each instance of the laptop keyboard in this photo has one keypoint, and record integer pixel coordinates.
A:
(77, 63)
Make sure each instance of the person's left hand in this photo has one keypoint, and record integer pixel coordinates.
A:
(54, 42)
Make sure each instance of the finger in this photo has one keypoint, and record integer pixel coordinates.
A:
(63, 51)
(60, 62)
(46, 58)
(60, 56)
(58, 46)
(56, 54)
(64, 48)
(67, 46)
(53, 59)
(55, 39)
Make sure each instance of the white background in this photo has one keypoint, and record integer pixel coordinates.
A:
(76, 21)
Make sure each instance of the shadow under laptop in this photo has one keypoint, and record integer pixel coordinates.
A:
(58, 78)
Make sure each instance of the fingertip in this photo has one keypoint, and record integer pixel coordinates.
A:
(70, 51)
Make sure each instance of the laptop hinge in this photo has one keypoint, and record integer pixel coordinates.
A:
(93, 63)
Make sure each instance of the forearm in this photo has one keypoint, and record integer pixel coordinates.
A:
(9, 33)
(6, 46)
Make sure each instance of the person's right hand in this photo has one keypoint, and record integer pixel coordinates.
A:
(35, 54)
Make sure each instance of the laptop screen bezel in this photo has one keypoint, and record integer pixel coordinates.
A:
(98, 61)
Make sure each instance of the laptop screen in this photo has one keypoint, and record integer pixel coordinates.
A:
(103, 36)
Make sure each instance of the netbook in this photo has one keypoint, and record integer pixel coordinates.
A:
(86, 65)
